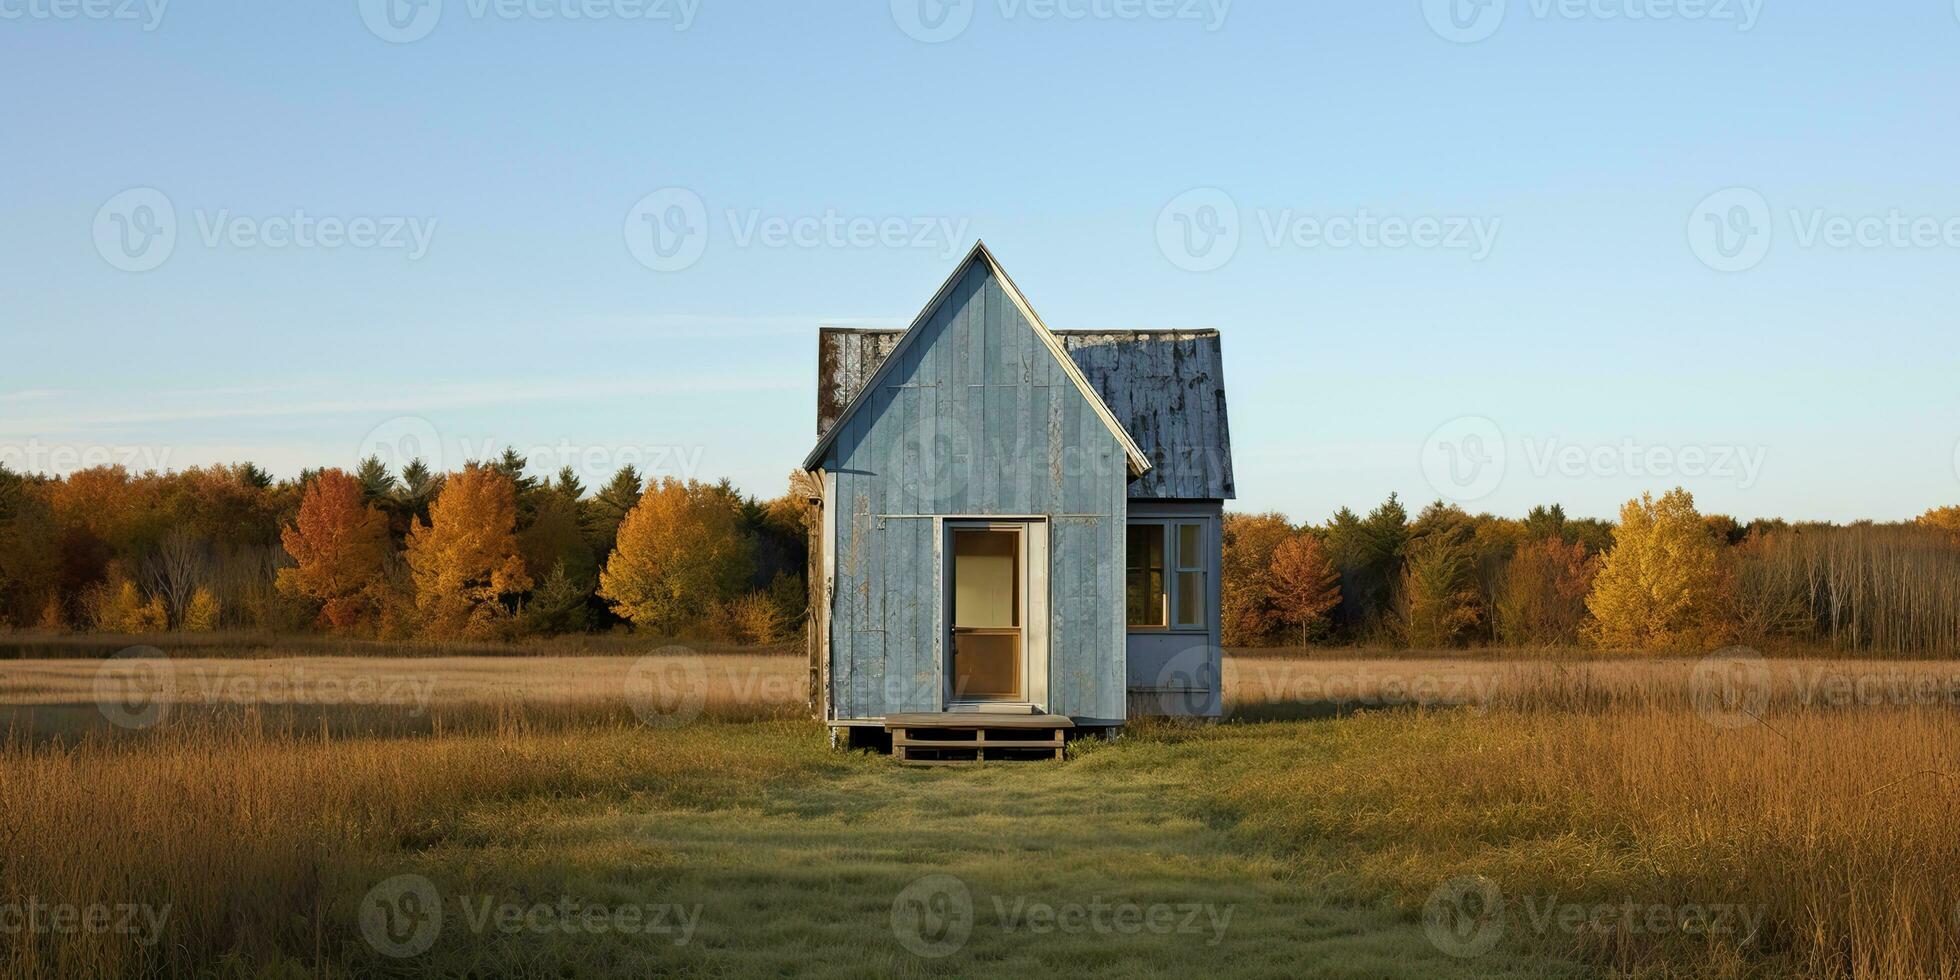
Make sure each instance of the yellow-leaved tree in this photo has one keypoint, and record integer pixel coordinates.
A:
(680, 554)
(464, 558)
(1663, 585)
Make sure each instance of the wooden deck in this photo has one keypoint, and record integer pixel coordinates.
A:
(970, 737)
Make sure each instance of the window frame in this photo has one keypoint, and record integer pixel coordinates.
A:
(1174, 570)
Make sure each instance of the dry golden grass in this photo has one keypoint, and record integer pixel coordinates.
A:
(240, 833)
(1826, 807)
(1825, 799)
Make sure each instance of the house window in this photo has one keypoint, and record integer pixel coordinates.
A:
(1165, 585)
(1144, 595)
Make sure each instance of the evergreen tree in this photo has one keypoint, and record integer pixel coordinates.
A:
(569, 485)
(419, 486)
(608, 507)
(378, 486)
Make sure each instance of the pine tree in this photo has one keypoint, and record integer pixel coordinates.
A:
(603, 513)
(417, 489)
(1440, 603)
(377, 484)
(569, 485)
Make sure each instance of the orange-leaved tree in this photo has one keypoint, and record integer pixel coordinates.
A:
(1303, 583)
(340, 543)
(1664, 584)
(1945, 518)
(680, 554)
(1248, 616)
(464, 559)
(1541, 595)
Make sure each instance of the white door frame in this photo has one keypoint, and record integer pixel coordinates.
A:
(1034, 603)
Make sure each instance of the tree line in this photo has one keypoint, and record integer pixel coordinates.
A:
(1664, 577)
(488, 552)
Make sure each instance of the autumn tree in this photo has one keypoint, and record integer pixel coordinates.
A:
(1247, 616)
(1664, 584)
(1541, 597)
(464, 560)
(680, 555)
(339, 542)
(1303, 584)
(1944, 518)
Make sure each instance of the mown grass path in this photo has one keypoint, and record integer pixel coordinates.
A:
(1095, 867)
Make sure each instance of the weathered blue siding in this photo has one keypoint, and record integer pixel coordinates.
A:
(977, 418)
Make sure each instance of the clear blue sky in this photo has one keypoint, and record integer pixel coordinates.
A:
(1586, 139)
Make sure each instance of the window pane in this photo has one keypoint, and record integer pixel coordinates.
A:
(987, 666)
(1144, 592)
(1190, 598)
(1190, 550)
(986, 585)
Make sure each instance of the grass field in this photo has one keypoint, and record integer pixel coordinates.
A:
(574, 815)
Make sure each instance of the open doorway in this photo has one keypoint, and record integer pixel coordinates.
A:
(988, 643)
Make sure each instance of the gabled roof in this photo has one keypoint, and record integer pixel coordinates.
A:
(1139, 463)
(1167, 387)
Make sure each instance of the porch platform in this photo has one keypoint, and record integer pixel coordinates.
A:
(968, 737)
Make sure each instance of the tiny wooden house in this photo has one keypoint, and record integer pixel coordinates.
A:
(1015, 519)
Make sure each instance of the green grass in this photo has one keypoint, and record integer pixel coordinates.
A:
(799, 877)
